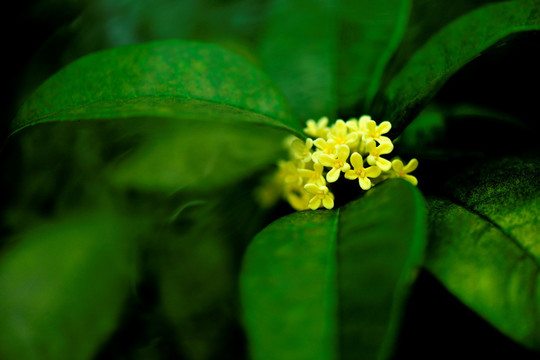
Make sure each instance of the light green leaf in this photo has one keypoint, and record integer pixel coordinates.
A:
(484, 244)
(370, 33)
(332, 284)
(450, 49)
(167, 79)
(63, 286)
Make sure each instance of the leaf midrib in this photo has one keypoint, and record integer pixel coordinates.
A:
(484, 217)
(275, 123)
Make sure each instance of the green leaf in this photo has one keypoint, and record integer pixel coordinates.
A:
(370, 34)
(450, 49)
(193, 115)
(484, 244)
(334, 54)
(166, 79)
(178, 155)
(298, 51)
(63, 286)
(332, 284)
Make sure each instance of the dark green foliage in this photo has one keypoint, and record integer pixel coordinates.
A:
(338, 279)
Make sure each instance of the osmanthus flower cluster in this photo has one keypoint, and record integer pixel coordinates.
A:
(355, 150)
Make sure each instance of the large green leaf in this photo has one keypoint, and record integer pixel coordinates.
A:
(370, 33)
(332, 55)
(185, 115)
(167, 79)
(63, 286)
(484, 244)
(331, 284)
(450, 49)
(299, 50)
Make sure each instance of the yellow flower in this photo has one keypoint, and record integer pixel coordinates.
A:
(340, 134)
(338, 162)
(403, 171)
(314, 176)
(319, 194)
(288, 172)
(317, 129)
(374, 132)
(302, 150)
(375, 153)
(359, 125)
(360, 173)
(297, 197)
(327, 147)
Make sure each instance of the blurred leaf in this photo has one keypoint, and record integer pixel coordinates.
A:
(426, 18)
(334, 54)
(198, 154)
(450, 49)
(484, 244)
(331, 284)
(370, 33)
(63, 286)
(168, 79)
(299, 50)
(197, 263)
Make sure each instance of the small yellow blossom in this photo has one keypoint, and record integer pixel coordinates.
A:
(359, 125)
(337, 162)
(288, 171)
(314, 176)
(323, 146)
(319, 194)
(302, 150)
(317, 129)
(374, 131)
(305, 180)
(375, 153)
(340, 134)
(361, 173)
(403, 171)
(297, 196)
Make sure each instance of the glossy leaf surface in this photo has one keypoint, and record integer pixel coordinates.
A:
(484, 244)
(331, 284)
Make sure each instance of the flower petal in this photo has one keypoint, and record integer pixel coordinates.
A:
(365, 183)
(384, 164)
(384, 127)
(311, 189)
(314, 203)
(384, 140)
(333, 175)
(373, 171)
(328, 202)
(356, 161)
(351, 175)
(411, 179)
(385, 148)
(320, 143)
(327, 160)
(343, 152)
(371, 125)
(305, 173)
(397, 165)
(411, 166)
